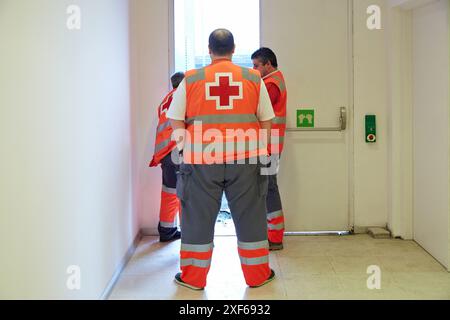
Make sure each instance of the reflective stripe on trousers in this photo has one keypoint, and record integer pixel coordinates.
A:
(170, 205)
(195, 263)
(275, 216)
(276, 229)
(254, 258)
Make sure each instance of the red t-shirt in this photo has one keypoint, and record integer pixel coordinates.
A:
(274, 94)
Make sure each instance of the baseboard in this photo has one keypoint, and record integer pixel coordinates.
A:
(365, 229)
(359, 230)
(109, 288)
(149, 232)
(316, 233)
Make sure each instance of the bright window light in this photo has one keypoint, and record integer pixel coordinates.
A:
(196, 19)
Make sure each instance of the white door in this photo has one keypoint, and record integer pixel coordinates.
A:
(311, 40)
(431, 129)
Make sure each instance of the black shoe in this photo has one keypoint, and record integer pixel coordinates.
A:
(184, 284)
(273, 246)
(271, 277)
(168, 234)
(175, 236)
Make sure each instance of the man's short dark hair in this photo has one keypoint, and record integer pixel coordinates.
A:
(176, 79)
(221, 42)
(266, 55)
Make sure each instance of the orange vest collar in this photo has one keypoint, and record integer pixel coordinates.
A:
(270, 74)
(221, 60)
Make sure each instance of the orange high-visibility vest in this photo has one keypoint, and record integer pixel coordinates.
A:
(279, 122)
(163, 143)
(221, 106)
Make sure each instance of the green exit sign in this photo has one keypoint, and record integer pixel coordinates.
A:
(305, 118)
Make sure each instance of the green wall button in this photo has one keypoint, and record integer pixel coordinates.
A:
(371, 129)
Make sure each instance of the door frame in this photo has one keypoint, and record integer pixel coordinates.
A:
(350, 107)
(350, 117)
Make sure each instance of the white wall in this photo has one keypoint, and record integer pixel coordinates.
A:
(431, 128)
(65, 147)
(419, 102)
(370, 93)
(400, 129)
(409, 4)
(150, 83)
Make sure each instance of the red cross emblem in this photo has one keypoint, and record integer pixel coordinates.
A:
(224, 91)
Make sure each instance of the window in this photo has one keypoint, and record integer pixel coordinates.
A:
(194, 20)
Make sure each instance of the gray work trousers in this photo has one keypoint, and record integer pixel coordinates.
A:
(200, 189)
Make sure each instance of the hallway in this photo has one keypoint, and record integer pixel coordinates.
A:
(310, 267)
(365, 106)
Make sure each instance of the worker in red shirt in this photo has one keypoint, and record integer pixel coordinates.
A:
(164, 146)
(265, 61)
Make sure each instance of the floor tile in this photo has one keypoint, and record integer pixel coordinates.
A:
(309, 267)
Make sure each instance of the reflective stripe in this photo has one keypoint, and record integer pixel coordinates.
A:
(224, 147)
(168, 224)
(276, 226)
(275, 214)
(169, 190)
(195, 262)
(247, 75)
(279, 120)
(224, 118)
(254, 261)
(254, 245)
(163, 126)
(162, 145)
(197, 247)
(280, 82)
(198, 76)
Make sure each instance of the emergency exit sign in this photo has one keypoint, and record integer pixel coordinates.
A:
(305, 118)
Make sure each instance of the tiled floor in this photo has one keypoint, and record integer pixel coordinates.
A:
(310, 267)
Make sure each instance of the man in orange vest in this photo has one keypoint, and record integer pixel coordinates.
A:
(164, 146)
(265, 61)
(220, 113)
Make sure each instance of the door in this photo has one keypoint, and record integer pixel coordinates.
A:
(311, 40)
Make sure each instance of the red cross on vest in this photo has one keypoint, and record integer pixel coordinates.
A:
(224, 91)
